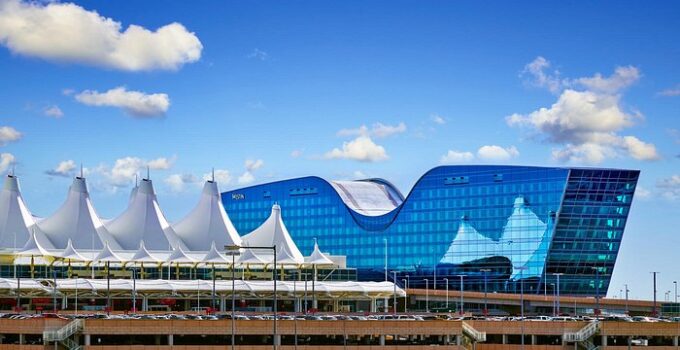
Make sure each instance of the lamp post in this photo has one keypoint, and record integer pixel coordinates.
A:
(385, 241)
(134, 289)
(405, 293)
(486, 305)
(233, 298)
(75, 308)
(446, 280)
(552, 285)
(54, 294)
(557, 300)
(394, 292)
(521, 298)
(675, 283)
(597, 290)
(627, 290)
(108, 288)
(462, 300)
(273, 249)
(654, 273)
(427, 295)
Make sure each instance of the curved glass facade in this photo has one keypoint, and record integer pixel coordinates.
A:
(493, 225)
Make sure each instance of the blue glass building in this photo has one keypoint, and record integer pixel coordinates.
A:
(493, 225)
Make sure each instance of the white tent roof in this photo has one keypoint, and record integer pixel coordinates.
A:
(77, 220)
(70, 253)
(317, 257)
(274, 232)
(207, 222)
(33, 248)
(252, 256)
(143, 220)
(26, 284)
(179, 256)
(143, 256)
(215, 257)
(107, 255)
(15, 218)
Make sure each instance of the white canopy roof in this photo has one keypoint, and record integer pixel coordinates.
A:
(274, 232)
(15, 218)
(252, 256)
(33, 248)
(26, 284)
(214, 256)
(143, 220)
(143, 256)
(179, 256)
(70, 253)
(317, 257)
(107, 255)
(77, 220)
(207, 222)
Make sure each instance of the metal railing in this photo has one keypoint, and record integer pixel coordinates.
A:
(473, 333)
(65, 332)
(584, 333)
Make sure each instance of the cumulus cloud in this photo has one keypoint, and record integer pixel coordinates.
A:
(438, 119)
(296, 153)
(248, 175)
(222, 176)
(540, 76)
(125, 169)
(8, 134)
(586, 122)
(670, 187)
(497, 153)
(490, 153)
(361, 148)
(63, 169)
(453, 157)
(674, 91)
(6, 160)
(176, 182)
(54, 112)
(377, 130)
(134, 103)
(66, 32)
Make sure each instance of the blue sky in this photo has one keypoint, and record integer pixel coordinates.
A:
(270, 90)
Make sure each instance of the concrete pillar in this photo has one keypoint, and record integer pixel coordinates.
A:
(373, 306)
(277, 340)
(223, 303)
(157, 339)
(171, 340)
(505, 339)
(604, 340)
(675, 341)
(447, 339)
(336, 305)
(533, 339)
(88, 340)
(382, 340)
(459, 339)
(22, 339)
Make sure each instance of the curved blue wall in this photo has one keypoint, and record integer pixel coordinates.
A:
(518, 222)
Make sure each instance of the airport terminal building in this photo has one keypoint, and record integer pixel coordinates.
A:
(493, 225)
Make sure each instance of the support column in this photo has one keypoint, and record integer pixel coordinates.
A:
(459, 339)
(223, 303)
(157, 339)
(373, 306)
(505, 339)
(22, 339)
(171, 340)
(336, 304)
(604, 341)
(88, 340)
(382, 340)
(277, 340)
(675, 341)
(533, 339)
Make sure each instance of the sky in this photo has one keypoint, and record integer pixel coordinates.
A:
(269, 90)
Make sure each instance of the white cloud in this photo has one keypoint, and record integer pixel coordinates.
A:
(670, 187)
(258, 55)
(125, 169)
(6, 159)
(586, 123)
(359, 175)
(453, 157)
(438, 119)
(674, 91)
(177, 182)
(134, 103)
(64, 169)
(222, 176)
(540, 78)
(361, 148)
(54, 112)
(248, 175)
(66, 32)
(378, 130)
(296, 153)
(642, 192)
(497, 153)
(8, 134)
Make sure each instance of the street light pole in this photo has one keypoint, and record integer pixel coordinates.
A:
(462, 300)
(394, 292)
(233, 299)
(405, 294)
(427, 295)
(486, 305)
(626, 286)
(654, 273)
(675, 283)
(557, 300)
(447, 294)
